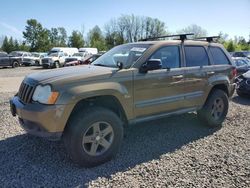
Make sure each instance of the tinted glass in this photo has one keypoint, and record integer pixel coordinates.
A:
(169, 56)
(196, 56)
(219, 57)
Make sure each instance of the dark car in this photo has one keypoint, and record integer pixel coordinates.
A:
(243, 84)
(242, 54)
(19, 56)
(6, 60)
(242, 64)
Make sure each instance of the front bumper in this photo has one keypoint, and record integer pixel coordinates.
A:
(47, 121)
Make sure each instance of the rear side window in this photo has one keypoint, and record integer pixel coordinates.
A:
(196, 56)
(219, 57)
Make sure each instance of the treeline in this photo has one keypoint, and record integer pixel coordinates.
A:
(124, 29)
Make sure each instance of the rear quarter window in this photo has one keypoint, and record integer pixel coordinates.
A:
(218, 56)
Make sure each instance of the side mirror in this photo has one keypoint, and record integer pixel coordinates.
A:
(152, 64)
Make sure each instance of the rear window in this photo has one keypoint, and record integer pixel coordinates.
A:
(196, 56)
(218, 56)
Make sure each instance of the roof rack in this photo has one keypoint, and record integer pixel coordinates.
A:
(208, 39)
(182, 37)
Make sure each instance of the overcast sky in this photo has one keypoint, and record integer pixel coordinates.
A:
(228, 16)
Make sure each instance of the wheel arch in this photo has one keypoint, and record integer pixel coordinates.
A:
(106, 101)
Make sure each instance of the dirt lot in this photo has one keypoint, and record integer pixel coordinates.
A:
(175, 152)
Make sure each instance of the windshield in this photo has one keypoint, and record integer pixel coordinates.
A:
(53, 55)
(35, 55)
(126, 54)
(78, 54)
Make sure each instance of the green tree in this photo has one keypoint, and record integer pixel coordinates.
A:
(5, 46)
(76, 40)
(16, 45)
(36, 36)
(230, 47)
(96, 38)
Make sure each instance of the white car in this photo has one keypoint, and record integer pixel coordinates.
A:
(54, 60)
(34, 59)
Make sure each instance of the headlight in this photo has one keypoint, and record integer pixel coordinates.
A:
(44, 95)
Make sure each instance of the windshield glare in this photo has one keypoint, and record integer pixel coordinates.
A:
(126, 54)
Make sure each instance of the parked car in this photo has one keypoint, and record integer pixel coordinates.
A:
(6, 60)
(76, 57)
(243, 85)
(34, 59)
(19, 56)
(242, 64)
(242, 54)
(89, 106)
(54, 60)
(87, 60)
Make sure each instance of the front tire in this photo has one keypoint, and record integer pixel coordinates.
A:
(15, 64)
(57, 65)
(93, 137)
(215, 109)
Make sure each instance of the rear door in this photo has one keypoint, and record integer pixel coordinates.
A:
(4, 59)
(196, 70)
(161, 90)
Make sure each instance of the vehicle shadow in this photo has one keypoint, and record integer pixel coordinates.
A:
(241, 100)
(30, 161)
(37, 68)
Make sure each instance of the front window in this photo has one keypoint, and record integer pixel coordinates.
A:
(35, 55)
(169, 57)
(126, 54)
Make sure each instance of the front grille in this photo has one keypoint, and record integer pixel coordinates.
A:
(25, 93)
(45, 61)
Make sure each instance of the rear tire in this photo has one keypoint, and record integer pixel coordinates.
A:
(215, 109)
(89, 145)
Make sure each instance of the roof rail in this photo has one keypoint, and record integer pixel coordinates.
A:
(208, 39)
(182, 37)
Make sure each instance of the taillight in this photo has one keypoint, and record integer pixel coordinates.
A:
(234, 72)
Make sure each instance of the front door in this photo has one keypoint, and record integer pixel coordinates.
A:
(160, 91)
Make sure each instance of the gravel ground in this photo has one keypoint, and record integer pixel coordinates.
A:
(174, 152)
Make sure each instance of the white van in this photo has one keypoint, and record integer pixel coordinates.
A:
(89, 51)
(68, 51)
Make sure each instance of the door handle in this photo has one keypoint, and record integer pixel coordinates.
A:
(178, 77)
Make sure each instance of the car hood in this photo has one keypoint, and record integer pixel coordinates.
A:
(66, 75)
